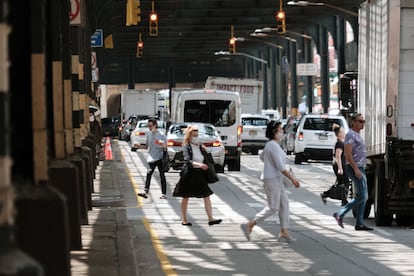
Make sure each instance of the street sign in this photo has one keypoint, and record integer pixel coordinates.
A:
(97, 38)
(306, 69)
(74, 14)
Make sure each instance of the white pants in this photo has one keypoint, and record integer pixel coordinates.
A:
(277, 201)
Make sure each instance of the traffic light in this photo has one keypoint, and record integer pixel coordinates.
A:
(133, 12)
(280, 22)
(153, 24)
(140, 49)
(232, 45)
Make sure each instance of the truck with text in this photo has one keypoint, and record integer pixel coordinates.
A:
(385, 97)
(250, 90)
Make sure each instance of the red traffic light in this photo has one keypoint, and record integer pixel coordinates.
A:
(280, 15)
(153, 16)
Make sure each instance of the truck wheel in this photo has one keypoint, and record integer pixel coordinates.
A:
(404, 220)
(255, 152)
(298, 158)
(381, 217)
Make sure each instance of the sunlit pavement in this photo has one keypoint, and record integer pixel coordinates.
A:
(322, 247)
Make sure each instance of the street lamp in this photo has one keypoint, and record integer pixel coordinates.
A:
(227, 53)
(242, 39)
(318, 4)
(263, 32)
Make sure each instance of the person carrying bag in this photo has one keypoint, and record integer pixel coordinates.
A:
(193, 180)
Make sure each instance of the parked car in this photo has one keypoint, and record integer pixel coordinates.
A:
(110, 126)
(207, 135)
(139, 134)
(315, 138)
(254, 132)
(288, 141)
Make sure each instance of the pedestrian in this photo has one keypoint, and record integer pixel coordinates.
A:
(338, 163)
(355, 154)
(155, 144)
(195, 183)
(274, 171)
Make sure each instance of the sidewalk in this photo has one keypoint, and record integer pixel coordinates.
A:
(108, 238)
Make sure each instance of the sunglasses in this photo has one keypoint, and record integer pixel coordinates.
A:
(361, 121)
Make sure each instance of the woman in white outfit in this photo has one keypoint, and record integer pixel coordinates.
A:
(274, 171)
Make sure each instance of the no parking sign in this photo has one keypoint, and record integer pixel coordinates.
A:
(74, 14)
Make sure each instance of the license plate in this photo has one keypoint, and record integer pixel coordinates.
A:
(323, 137)
(252, 132)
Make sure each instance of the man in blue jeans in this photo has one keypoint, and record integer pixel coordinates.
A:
(355, 154)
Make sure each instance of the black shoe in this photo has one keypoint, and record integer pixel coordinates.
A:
(144, 195)
(212, 222)
(363, 228)
(187, 224)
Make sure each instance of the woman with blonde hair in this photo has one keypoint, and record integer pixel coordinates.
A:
(195, 183)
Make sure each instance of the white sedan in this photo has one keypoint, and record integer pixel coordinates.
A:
(139, 134)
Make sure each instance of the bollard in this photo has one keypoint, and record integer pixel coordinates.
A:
(86, 154)
(63, 176)
(84, 190)
(42, 227)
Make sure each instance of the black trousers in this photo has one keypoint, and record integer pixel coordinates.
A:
(150, 171)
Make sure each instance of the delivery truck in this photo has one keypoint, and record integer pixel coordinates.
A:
(138, 102)
(217, 107)
(385, 97)
(250, 91)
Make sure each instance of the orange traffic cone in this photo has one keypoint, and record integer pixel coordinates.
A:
(108, 149)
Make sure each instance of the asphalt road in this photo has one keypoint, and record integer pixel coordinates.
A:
(165, 247)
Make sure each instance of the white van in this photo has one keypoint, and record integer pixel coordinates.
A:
(217, 107)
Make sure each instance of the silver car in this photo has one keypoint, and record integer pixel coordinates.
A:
(207, 135)
(139, 134)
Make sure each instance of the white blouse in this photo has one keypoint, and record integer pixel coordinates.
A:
(197, 154)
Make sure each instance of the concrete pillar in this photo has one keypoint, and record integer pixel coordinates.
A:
(13, 261)
(324, 53)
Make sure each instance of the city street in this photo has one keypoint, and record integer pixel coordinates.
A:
(165, 247)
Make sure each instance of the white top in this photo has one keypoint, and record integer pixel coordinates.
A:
(274, 159)
(197, 154)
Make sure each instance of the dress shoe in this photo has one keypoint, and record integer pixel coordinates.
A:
(187, 224)
(216, 221)
(363, 228)
(339, 220)
(144, 195)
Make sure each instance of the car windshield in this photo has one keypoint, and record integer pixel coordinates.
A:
(160, 124)
(254, 121)
(203, 130)
(216, 112)
(324, 124)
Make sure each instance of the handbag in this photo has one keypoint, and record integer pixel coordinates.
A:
(210, 173)
(337, 191)
(165, 162)
(185, 171)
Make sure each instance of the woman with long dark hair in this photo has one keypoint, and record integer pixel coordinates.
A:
(274, 172)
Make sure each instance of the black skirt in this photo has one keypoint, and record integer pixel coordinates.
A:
(195, 185)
